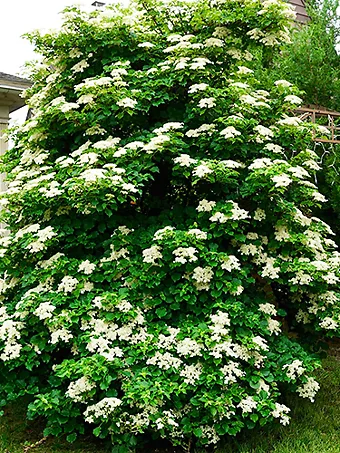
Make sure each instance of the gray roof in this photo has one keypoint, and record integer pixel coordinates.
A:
(13, 78)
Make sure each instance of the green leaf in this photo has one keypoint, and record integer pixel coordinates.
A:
(71, 437)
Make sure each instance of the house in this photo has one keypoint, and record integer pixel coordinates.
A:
(10, 89)
(300, 9)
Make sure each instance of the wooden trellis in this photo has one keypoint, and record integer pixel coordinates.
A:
(311, 114)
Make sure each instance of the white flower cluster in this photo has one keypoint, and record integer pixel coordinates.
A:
(205, 206)
(78, 388)
(220, 323)
(87, 267)
(329, 323)
(294, 369)
(60, 334)
(191, 373)
(202, 277)
(164, 361)
(101, 410)
(67, 284)
(152, 254)
(160, 234)
(230, 132)
(199, 234)
(204, 129)
(247, 404)
(44, 311)
(230, 263)
(184, 160)
(231, 372)
(9, 334)
(281, 412)
(185, 254)
(188, 347)
(202, 170)
(309, 389)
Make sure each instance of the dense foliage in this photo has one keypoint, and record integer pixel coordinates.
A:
(162, 229)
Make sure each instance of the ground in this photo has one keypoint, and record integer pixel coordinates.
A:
(315, 427)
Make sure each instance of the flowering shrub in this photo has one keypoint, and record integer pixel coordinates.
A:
(161, 228)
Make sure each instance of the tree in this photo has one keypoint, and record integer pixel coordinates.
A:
(310, 60)
(161, 228)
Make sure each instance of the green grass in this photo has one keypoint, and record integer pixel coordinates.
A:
(315, 428)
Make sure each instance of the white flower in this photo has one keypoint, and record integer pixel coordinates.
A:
(188, 347)
(268, 309)
(309, 389)
(230, 263)
(191, 373)
(88, 158)
(87, 267)
(151, 254)
(231, 164)
(77, 389)
(86, 99)
(199, 63)
(281, 412)
(219, 217)
(274, 326)
(101, 410)
(264, 131)
(79, 67)
(259, 215)
(67, 284)
(202, 277)
(323, 129)
(282, 83)
(184, 160)
(205, 206)
(261, 343)
(185, 254)
(44, 311)
(198, 233)
(293, 99)
(127, 103)
(164, 361)
(159, 234)
(60, 334)
(260, 163)
(93, 174)
(244, 70)
(230, 132)
(329, 324)
(202, 170)
(294, 369)
(231, 372)
(237, 213)
(319, 197)
(282, 180)
(146, 44)
(75, 53)
(290, 121)
(272, 147)
(110, 142)
(207, 102)
(214, 42)
(198, 87)
(247, 404)
(68, 106)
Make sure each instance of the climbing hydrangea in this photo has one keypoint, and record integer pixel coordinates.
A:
(161, 230)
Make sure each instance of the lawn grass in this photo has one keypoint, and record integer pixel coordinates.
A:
(315, 428)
